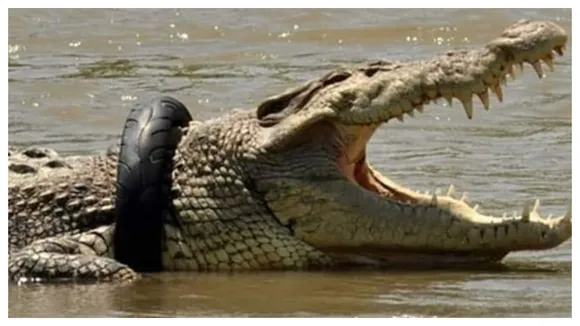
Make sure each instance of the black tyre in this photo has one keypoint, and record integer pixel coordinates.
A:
(150, 137)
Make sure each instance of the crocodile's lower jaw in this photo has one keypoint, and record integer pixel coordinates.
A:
(364, 175)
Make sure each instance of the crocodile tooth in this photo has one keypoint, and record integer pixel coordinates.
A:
(538, 68)
(511, 71)
(550, 216)
(449, 99)
(411, 114)
(451, 191)
(434, 199)
(504, 215)
(549, 60)
(560, 50)
(400, 118)
(484, 98)
(476, 207)
(521, 65)
(496, 89)
(419, 108)
(467, 106)
(536, 206)
(526, 213)
(464, 197)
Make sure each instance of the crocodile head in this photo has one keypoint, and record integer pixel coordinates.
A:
(318, 181)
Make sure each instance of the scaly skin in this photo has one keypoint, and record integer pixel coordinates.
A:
(288, 185)
(61, 211)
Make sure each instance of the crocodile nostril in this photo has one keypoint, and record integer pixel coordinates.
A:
(57, 164)
(370, 71)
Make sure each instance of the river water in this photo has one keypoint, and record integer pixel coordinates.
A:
(74, 74)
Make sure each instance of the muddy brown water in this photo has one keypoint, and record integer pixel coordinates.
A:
(74, 74)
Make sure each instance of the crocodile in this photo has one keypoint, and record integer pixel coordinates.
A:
(288, 185)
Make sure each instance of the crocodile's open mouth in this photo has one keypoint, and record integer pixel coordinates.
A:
(354, 138)
(355, 165)
(357, 169)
